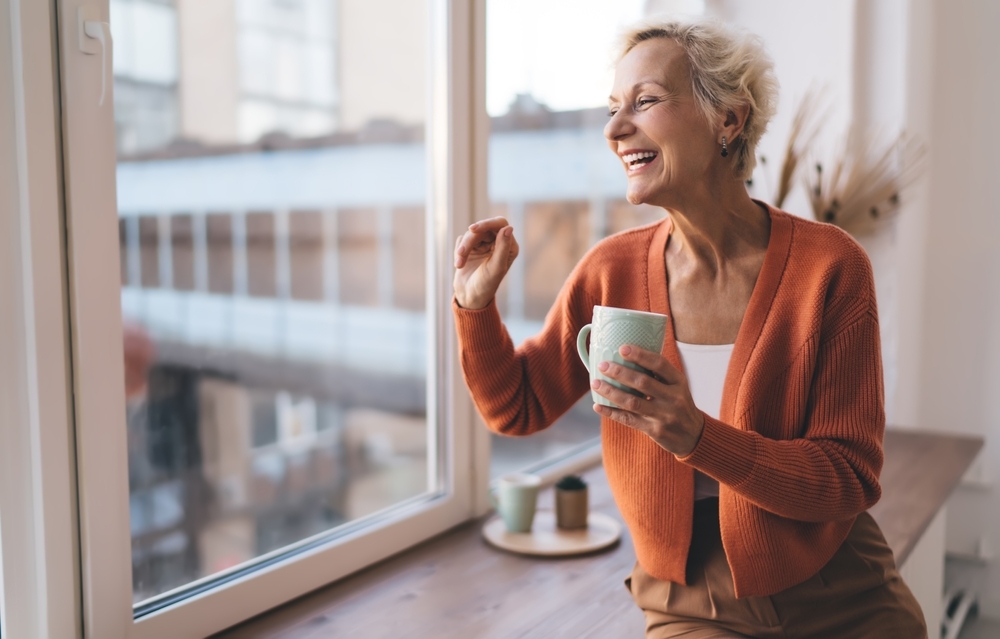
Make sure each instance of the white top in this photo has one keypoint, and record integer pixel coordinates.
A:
(706, 366)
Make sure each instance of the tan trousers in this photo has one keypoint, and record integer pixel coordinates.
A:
(858, 594)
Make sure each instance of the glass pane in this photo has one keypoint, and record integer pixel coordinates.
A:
(550, 171)
(271, 191)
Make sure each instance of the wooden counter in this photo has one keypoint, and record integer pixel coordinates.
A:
(456, 586)
(921, 470)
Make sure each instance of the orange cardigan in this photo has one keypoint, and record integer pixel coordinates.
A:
(798, 446)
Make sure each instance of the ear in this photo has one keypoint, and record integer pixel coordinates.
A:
(731, 125)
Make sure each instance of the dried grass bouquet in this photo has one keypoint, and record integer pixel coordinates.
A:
(858, 187)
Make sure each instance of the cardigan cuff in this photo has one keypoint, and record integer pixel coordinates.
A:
(479, 330)
(724, 453)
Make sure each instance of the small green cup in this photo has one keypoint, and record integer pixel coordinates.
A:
(612, 328)
(515, 499)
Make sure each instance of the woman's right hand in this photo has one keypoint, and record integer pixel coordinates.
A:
(483, 255)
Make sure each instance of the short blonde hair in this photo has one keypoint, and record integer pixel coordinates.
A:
(729, 69)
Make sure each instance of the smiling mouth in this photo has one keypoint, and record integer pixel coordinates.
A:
(638, 159)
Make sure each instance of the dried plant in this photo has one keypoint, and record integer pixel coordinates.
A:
(861, 186)
(805, 127)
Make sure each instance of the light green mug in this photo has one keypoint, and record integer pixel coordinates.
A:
(515, 499)
(610, 329)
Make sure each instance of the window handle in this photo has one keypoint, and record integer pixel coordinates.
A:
(95, 36)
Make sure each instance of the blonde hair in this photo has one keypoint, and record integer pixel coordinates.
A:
(729, 69)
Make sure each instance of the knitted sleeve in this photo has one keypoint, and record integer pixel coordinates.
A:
(830, 472)
(519, 391)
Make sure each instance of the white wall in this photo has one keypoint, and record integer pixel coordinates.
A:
(812, 47)
(959, 380)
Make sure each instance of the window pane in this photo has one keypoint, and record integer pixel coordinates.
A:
(271, 191)
(550, 171)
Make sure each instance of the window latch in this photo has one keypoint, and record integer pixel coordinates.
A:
(94, 37)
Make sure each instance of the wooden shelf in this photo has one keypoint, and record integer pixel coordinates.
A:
(921, 470)
(456, 586)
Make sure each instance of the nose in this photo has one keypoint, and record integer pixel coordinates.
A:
(619, 126)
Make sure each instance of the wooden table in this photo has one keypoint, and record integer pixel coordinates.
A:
(456, 586)
(921, 470)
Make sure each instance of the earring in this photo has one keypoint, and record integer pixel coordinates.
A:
(725, 151)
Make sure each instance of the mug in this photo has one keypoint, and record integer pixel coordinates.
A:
(610, 329)
(515, 499)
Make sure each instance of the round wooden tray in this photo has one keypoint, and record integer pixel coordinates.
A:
(546, 540)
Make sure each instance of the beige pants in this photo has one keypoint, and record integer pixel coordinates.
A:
(858, 594)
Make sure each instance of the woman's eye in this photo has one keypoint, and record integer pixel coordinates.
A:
(641, 102)
(611, 112)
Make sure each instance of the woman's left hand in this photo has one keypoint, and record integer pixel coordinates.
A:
(667, 413)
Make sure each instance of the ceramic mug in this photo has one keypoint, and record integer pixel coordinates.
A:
(610, 329)
(515, 499)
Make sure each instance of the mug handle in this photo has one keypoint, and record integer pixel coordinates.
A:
(581, 346)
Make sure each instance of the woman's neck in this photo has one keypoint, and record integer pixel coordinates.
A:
(714, 229)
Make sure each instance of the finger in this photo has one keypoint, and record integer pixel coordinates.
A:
(491, 224)
(484, 230)
(501, 260)
(621, 416)
(638, 380)
(655, 362)
(515, 248)
(459, 258)
(478, 242)
(626, 401)
(471, 244)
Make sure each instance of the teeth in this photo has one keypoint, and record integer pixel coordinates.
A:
(634, 157)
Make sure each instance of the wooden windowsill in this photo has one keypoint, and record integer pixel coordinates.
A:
(454, 585)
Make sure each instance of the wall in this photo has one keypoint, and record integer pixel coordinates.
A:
(960, 363)
(811, 44)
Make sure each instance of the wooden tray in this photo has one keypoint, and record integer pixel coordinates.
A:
(546, 540)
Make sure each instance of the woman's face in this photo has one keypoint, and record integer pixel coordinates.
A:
(656, 128)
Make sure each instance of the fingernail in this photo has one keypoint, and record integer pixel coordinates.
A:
(473, 226)
(625, 350)
(603, 366)
(595, 384)
(508, 231)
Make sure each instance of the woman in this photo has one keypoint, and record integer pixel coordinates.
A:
(745, 472)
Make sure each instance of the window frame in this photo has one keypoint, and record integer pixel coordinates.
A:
(91, 352)
(39, 576)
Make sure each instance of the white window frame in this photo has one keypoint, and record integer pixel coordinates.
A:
(61, 348)
(39, 576)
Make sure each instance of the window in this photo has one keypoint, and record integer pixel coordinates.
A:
(325, 316)
(273, 282)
